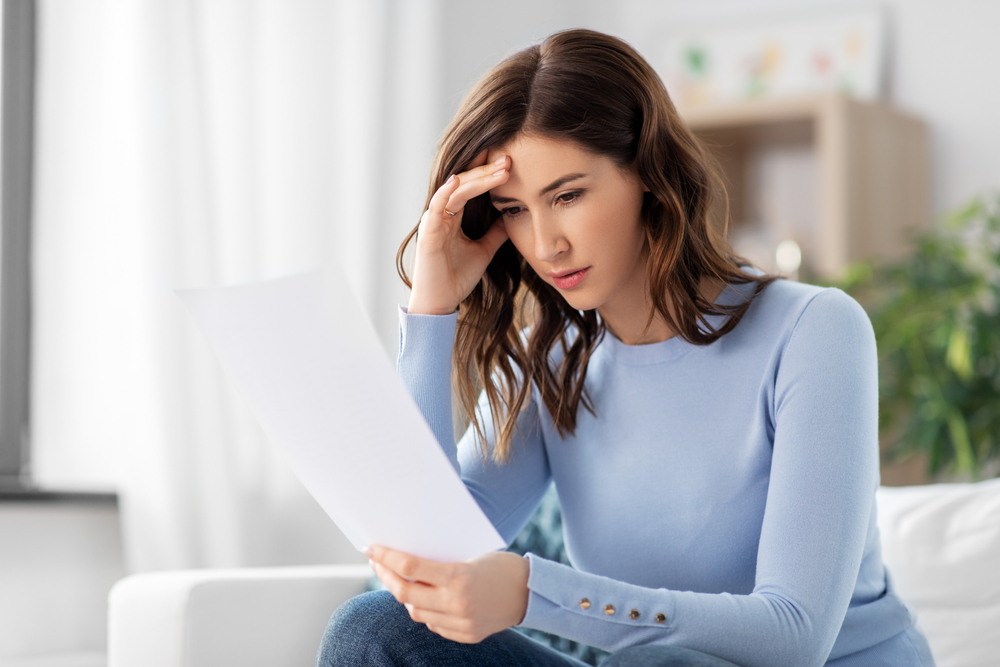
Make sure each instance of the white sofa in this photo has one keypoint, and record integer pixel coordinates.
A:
(941, 543)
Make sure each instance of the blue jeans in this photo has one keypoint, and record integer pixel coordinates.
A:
(373, 630)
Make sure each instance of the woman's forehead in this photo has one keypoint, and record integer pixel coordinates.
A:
(537, 161)
(538, 147)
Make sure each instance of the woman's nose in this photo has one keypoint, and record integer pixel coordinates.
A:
(550, 242)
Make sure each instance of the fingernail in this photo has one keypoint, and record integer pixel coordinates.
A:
(367, 551)
(450, 179)
(498, 173)
(501, 160)
(371, 563)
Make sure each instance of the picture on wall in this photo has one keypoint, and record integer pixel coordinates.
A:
(706, 64)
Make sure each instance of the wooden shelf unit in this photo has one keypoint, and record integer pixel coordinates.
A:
(873, 167)
(872, 161)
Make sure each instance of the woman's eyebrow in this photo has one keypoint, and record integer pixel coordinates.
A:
(562, 180)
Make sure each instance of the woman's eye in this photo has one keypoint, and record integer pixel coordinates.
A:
(568, 197)
(564, 198)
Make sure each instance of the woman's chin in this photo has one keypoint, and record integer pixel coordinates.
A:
(579, 299)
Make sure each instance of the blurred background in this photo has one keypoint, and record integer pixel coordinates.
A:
(151, 145)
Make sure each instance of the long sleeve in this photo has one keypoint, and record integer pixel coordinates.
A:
(508, 494)
(822, 403)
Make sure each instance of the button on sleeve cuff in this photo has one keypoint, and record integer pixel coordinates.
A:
(578, 605)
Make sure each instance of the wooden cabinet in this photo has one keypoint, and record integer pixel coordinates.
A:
(844, 179)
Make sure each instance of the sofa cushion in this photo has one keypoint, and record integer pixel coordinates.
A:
(941, 544)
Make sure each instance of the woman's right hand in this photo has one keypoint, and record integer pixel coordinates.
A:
(448, 264)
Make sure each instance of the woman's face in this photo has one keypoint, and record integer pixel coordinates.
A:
(575, 218)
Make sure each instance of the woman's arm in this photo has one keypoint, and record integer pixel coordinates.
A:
(462, 601)
(507, 493)
(465, 602)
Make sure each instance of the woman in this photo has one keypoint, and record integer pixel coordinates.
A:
(711, 431)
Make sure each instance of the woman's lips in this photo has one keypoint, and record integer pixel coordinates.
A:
(570, 280)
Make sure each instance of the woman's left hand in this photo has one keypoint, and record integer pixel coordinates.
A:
(465, 602)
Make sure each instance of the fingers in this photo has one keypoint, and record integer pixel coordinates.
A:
(483, 170)
(408, 585)
(414, 594)
(410, 567)
(467, 601)
(460, 188)
(440, 198)
(477, 181)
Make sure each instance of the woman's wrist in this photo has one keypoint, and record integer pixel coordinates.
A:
(522, 587)
(418, 306)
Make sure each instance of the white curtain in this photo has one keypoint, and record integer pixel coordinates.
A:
(184, 143)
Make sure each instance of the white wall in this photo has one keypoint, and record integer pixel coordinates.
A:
(943, 61)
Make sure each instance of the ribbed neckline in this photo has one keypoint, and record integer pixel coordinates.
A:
(676, 347)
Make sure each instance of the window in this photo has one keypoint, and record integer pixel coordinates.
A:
(17, 73)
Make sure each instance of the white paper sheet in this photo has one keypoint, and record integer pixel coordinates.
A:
(304, 355)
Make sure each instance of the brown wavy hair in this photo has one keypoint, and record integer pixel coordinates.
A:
(597, 91)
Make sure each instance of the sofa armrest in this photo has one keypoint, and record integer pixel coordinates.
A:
(248, 617)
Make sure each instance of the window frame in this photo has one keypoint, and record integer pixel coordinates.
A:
(17, 106)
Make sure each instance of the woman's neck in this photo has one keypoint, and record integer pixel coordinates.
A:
(630, 322)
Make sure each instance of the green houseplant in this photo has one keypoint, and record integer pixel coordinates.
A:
(936, 316)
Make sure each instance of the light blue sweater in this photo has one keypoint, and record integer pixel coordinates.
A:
(721, 499)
